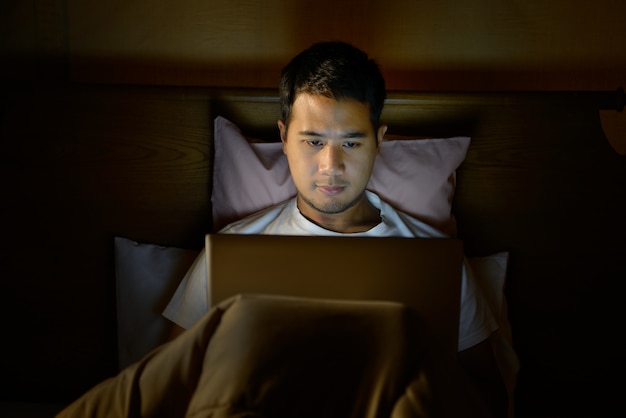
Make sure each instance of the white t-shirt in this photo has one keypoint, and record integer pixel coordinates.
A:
(191, 299)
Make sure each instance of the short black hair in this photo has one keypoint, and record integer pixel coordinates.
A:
(336, 70)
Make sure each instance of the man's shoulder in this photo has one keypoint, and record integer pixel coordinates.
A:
(258, 222)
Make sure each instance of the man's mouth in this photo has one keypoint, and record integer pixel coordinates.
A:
(331, 190)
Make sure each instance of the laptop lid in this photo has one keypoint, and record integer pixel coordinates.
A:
(424, 273)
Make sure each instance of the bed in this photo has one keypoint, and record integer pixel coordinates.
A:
(84, 164)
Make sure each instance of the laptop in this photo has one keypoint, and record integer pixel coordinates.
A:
(424, 273)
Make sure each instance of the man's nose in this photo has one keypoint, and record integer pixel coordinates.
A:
(331, 160)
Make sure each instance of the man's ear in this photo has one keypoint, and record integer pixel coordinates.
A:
(283, 132)
(382, 129)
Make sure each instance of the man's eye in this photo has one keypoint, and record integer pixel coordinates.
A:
(351, 144)
(315, 143)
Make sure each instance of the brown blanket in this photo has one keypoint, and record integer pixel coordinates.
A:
(264, 356)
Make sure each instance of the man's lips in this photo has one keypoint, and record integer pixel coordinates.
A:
(331, 190)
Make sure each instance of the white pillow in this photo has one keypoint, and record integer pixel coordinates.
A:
(490, 275)
(417, 176)
(146, 276)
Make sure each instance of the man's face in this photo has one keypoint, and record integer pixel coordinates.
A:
(331, 146)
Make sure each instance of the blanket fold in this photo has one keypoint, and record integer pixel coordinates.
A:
(265, 356)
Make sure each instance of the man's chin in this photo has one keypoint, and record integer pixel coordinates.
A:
(329, 206)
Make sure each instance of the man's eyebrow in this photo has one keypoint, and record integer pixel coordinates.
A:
(310, 133)
(354, 134)
(347, 135)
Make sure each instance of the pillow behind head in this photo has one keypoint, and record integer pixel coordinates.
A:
(247, 176)
(416, 176)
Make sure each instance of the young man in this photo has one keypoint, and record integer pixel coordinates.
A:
(332, 96)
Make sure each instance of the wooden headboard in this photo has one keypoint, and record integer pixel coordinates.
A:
(84, 163)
